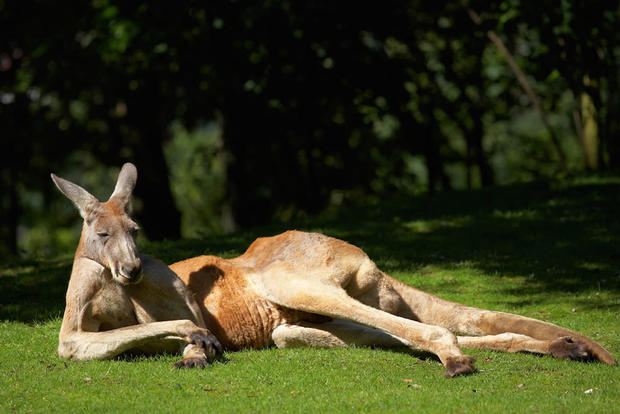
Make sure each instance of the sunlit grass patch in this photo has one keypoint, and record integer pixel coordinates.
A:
(527, 214)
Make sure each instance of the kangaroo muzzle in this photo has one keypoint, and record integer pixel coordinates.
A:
(131, 273)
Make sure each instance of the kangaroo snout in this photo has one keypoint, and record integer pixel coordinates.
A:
(133, 271)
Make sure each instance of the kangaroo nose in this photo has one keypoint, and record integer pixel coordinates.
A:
(133, 271)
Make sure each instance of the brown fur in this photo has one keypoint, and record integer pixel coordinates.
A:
(293, 289)
(232, 310)
(459, 366)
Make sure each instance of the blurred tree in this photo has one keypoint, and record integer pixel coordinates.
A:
(315, 101)
(576, 41)
(77, 78)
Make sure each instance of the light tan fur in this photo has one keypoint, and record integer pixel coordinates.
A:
(293, 289)
(118, 300)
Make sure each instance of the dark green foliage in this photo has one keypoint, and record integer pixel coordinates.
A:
(314, 102)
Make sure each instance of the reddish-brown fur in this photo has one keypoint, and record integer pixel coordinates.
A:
(232, 311)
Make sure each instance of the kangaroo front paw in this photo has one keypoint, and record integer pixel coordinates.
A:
(567, 348)
(461, 365)
(191, 362)
(206, 341)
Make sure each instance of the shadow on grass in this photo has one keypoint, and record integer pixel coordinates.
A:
(418, 354)
(33, 291)
(565, 239)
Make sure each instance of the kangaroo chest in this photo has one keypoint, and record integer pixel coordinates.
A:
(113, 306)
(110, 308)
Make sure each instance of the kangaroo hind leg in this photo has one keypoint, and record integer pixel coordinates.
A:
(336, 333)
(279, 284)
(472, 322)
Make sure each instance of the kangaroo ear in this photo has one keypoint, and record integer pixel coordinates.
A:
(83, 200)
(125, 184)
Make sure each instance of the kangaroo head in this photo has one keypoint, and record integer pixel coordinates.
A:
(108, 234)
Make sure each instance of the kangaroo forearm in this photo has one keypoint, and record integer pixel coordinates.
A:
(104, 345)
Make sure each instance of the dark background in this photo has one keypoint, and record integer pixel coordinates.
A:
(241, 113)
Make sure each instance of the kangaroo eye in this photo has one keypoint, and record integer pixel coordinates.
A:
(102, 234)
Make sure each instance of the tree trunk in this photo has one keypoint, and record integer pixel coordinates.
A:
(434, 165)
(586, 125)
(486, 172)
(9, 210)
(251, 170)
(159, 218)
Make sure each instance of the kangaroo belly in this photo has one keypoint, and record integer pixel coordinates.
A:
(245, 321)
(233, 312)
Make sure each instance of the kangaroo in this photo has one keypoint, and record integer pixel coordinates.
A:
(118, 300)
(295, 289)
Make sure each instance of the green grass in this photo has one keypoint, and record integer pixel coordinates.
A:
(545, 251)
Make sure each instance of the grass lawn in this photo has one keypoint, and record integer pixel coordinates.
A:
(550, 252)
